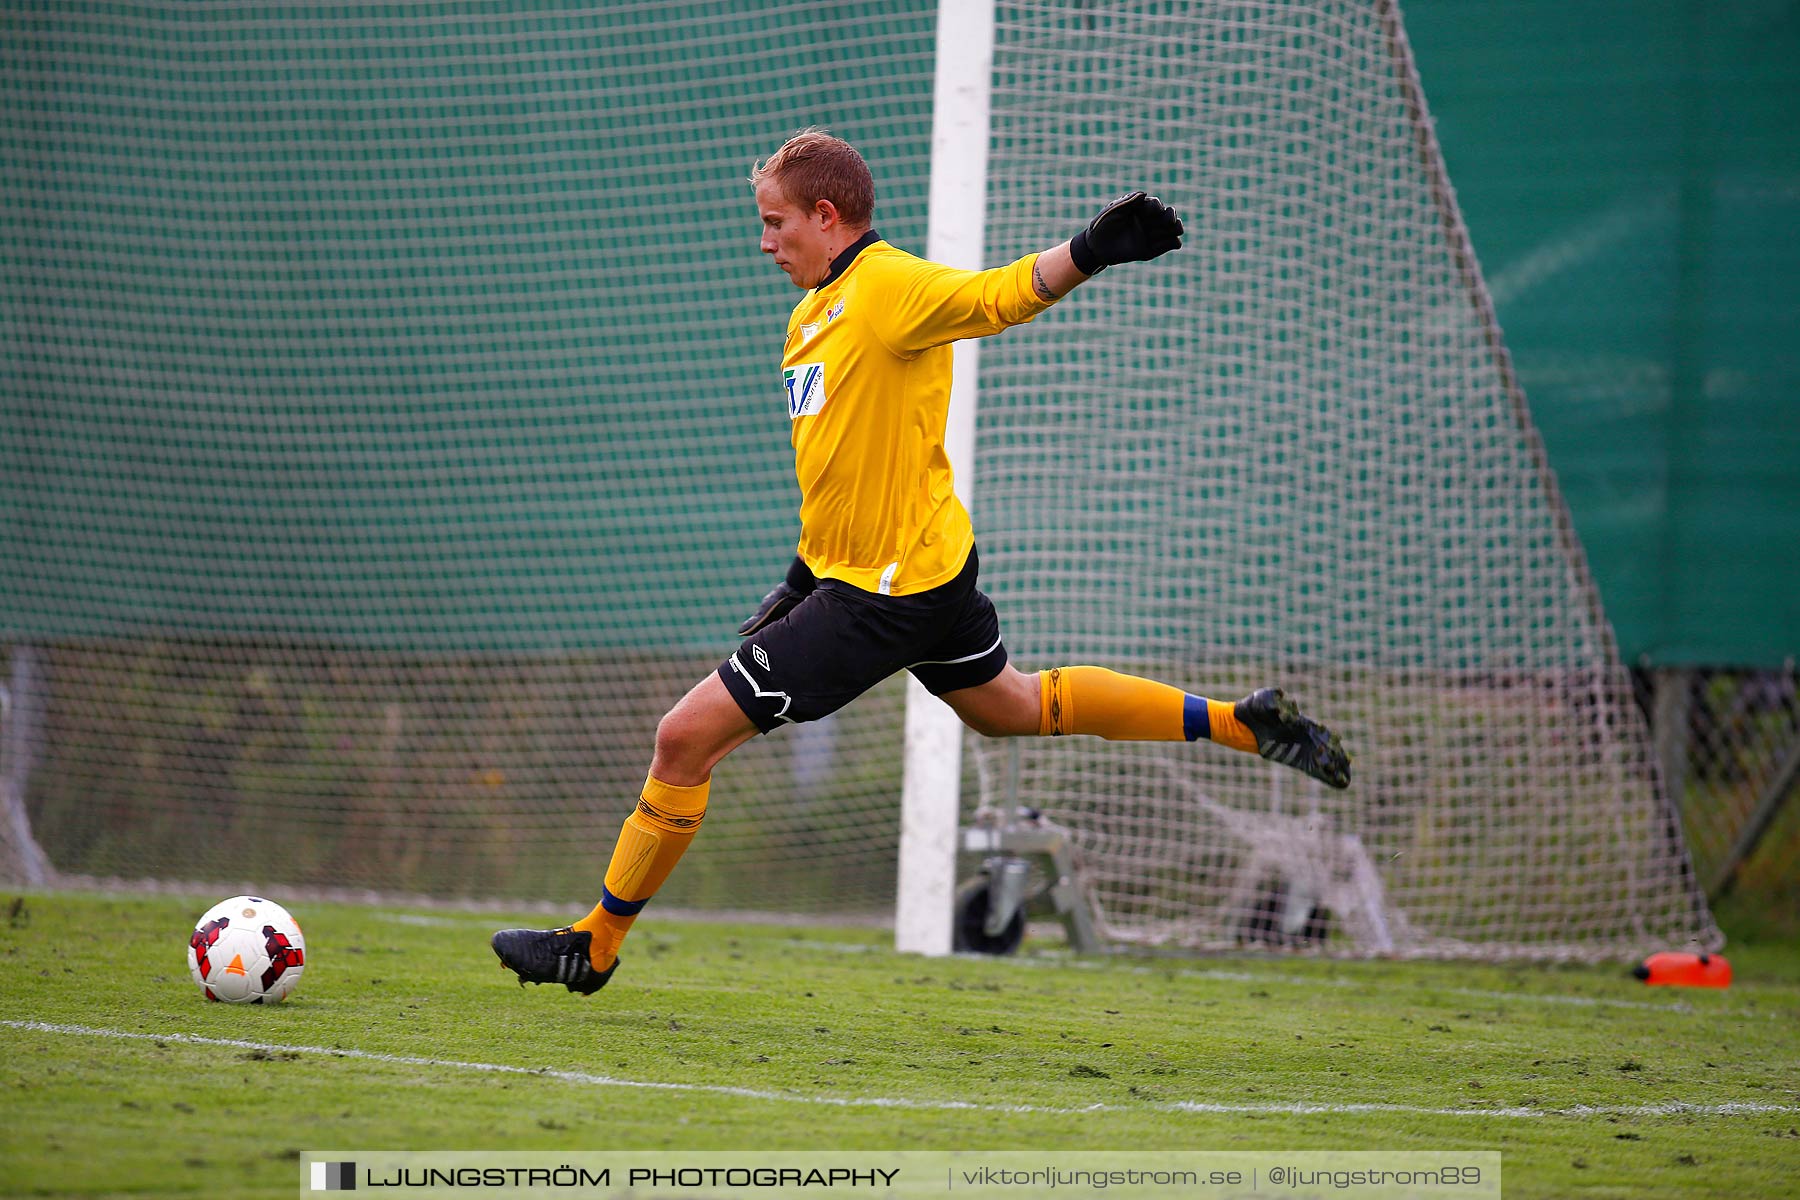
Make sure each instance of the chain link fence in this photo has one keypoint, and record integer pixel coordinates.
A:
(1729, 743)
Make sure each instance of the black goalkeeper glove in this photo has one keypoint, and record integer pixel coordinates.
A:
(781, 598)
(1133, 228)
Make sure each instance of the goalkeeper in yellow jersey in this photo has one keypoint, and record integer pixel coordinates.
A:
(885, 578)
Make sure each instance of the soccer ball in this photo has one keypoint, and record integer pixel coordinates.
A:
(247, 950)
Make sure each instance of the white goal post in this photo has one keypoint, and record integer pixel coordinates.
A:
(932, 790)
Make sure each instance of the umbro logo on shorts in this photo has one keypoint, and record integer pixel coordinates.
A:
(761, 656)
(805, 389)
(757, 689)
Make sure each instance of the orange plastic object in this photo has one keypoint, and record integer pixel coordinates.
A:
(1674, 969)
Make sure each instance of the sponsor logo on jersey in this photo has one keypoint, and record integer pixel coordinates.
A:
(805, 389)
(835, 311)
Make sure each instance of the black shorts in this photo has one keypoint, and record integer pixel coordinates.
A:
(841, 641)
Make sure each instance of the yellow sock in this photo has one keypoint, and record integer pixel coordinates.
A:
(1224, 728)
(1125, 708)
(650, 843)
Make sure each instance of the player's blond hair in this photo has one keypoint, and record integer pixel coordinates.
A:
(812, 166)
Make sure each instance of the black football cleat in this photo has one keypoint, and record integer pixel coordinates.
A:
(1287, 736)
(551, 956)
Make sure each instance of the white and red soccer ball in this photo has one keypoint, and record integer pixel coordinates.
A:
(247, 950)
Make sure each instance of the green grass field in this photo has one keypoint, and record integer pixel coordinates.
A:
(121, 1080)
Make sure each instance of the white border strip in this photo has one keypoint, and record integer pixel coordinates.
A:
(1668, 1108)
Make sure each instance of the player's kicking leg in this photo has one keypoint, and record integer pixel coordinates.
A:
(1107, 704)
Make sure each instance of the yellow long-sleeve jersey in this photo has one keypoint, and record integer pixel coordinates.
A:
(867, 366)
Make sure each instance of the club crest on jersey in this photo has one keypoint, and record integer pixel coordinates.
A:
(805, 389)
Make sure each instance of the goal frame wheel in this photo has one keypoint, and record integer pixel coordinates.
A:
(974, 904)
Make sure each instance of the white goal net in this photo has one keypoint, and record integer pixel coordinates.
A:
(1295, 453)
(389, 438)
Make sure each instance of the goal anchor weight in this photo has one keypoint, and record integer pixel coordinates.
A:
(1675, 969)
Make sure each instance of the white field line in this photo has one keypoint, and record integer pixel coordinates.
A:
(1669, 1108)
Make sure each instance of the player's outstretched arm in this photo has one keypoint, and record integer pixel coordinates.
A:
(1134, 228)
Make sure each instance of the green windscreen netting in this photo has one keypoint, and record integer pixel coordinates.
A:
(393, 428)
